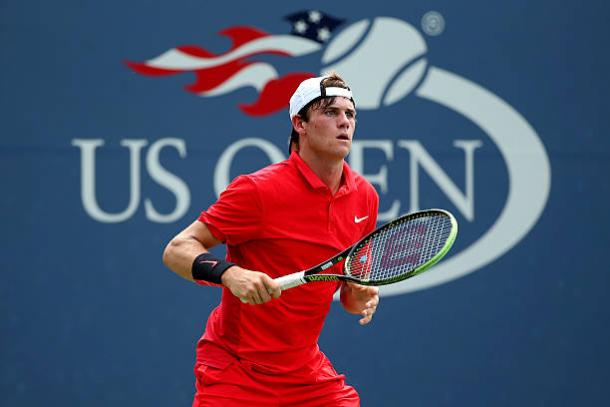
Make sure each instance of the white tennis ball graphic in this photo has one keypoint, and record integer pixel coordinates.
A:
(382, 60)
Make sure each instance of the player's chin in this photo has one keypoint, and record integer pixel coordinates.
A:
(342, 148)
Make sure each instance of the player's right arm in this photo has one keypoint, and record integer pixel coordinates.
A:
(252, 287)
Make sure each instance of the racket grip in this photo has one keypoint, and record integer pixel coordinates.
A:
(291, 280)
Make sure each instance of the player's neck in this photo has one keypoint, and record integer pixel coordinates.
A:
(329, 171)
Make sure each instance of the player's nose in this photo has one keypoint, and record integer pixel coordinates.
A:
(343, 120)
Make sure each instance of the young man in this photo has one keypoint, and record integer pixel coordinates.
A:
(260, 344)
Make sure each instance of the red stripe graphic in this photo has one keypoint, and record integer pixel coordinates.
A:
(217, 74)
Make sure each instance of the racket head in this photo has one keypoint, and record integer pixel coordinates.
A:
(402, 248)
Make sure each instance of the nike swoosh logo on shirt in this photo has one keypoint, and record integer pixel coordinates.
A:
(358, 220)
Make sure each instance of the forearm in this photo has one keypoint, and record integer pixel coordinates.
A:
(182, 250)
(179, 255)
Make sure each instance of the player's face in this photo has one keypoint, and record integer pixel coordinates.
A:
(330, 129)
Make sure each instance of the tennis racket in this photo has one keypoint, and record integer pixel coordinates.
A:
(400, 249)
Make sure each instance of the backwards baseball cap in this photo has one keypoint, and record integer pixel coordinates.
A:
(311, 89)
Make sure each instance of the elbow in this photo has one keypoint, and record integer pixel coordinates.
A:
(169, 253)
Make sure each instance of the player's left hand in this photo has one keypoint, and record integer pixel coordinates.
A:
(360, 299)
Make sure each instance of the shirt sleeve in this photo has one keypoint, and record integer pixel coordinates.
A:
(237, 215)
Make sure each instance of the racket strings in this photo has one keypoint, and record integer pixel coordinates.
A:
(400, 248)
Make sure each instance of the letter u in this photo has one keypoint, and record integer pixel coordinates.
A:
(88, 194)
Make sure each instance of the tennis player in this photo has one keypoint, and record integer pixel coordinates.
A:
(260, 346)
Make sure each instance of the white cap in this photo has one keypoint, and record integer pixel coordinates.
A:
(311, 89)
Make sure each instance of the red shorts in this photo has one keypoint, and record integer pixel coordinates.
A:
(238, 383)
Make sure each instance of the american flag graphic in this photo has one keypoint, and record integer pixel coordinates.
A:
(219, 74)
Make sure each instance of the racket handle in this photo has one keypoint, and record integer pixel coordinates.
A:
(291, 280)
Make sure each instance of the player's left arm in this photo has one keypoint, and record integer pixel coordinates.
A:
(360, 299)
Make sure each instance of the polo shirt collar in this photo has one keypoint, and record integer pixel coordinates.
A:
(347, 179)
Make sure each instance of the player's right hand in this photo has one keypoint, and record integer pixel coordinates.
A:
(251, 287)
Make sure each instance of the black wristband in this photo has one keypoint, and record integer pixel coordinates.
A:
(207, 267)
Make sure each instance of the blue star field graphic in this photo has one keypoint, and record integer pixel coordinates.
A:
(313, 24)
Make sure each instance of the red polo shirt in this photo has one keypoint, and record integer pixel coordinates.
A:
(279, 220)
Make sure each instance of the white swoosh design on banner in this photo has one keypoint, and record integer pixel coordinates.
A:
(529, 175)
(356, 53)
(256, 75)
(288, 44)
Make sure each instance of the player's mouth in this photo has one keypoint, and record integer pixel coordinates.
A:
(343, 137)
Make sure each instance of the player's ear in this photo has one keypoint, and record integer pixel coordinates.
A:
(298, 124)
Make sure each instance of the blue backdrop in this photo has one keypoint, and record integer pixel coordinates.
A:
(497, 112)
